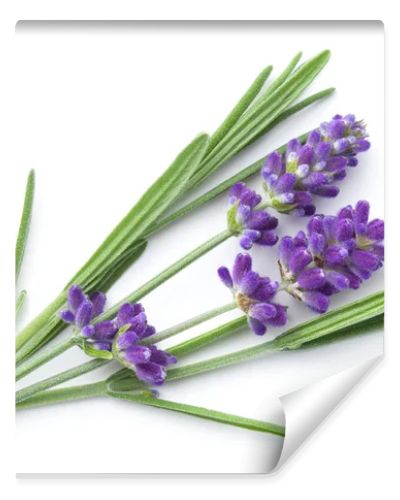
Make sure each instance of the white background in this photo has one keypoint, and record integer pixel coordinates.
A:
(364, 473)
(101, 112)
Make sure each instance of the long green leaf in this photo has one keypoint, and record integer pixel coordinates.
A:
(151, 205)
(240, 107)
(280, 80)
(20, 301)
(24, 223)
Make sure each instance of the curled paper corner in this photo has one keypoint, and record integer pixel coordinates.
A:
(306, 408)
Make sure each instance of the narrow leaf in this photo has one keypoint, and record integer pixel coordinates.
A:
(197, 411)
(20, 301)
(24, 223)
(278, 81)
(240, 107)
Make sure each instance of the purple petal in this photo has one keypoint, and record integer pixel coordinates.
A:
(225, 276)
(361, 212)
(151, 373)
(343, 229)
(148, 332)
(262, 312)
(98, 299)
(88, 330)
(286, 247)
(267, 238)
(137, 354)
(365, 261)
(285, 183)
(67, 316)
(299, 259)
(127, 339)
(376, 230)
(306, 155)
(346, 212)
(328, 191)
(104, 330)
(249, 283)
(338, 280)
(317, 243)
(293, 146)
(361, 146)
(273, 164)
(280, 319)
(84, 314)
(246, 242)
(256, 326)
(314, 138)
(335, 255)
(265, 290)
(311, 279)
(160, 357)
(126, 312)
(317, 301)
(241, 266)
(75, 297)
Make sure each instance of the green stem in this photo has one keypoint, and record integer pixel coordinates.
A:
(168, 273)
(99, 389)
(40, 359)
(60, 378)
(216, 416)
(190, 323)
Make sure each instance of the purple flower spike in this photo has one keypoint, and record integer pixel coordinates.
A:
(253, 226)
(253, 295)
(338, 253)
(290, 180)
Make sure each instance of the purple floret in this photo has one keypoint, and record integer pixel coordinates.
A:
(292, 179)
(254, 295)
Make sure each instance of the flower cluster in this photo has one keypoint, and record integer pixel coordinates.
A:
(253, 295)
(122, 335)
(254, 226)
(338, 252)
(148, 362)
(293, 178)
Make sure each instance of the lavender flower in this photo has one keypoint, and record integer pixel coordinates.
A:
(81, 308)
(121, 335)
(292, 179)
(339, 252)
(148, 362)
(254, 226)
(253, 295)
